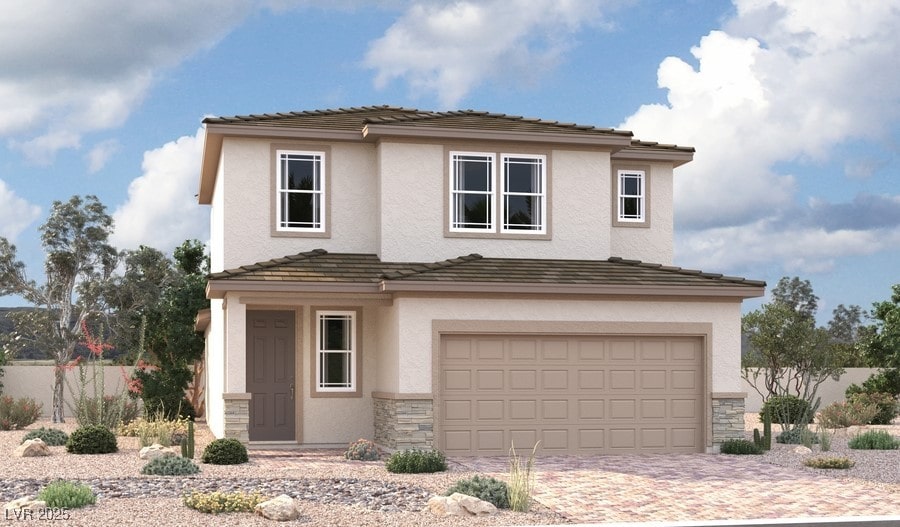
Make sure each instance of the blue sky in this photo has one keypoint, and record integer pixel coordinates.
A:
(793, 108)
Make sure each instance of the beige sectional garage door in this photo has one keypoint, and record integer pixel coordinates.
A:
(576, 395)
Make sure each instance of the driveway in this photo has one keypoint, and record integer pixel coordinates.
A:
(685, 487)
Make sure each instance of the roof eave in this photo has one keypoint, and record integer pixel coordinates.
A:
(676, 157)
(217, 288)
(615, 141)
(734, 291)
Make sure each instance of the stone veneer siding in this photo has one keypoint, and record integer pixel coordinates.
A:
(237, 416)
(728, 419)
(404, 423)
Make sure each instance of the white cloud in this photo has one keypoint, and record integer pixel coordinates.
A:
(74, 67)
(16, 214)
(161, 210)
(450, 48)
(100, 154)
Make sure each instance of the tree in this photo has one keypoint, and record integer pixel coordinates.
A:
(79, 263)
(882, 345)
(847, 332)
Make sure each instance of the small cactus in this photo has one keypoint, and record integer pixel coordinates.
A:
(362, 450)
(187, 443)
(767, 431)
(757, 439)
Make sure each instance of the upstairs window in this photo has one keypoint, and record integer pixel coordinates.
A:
(301, 191)
(631, 196)
(524, 194)
(471, 192)
(336, 349)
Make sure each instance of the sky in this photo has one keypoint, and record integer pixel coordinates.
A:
(793, 108)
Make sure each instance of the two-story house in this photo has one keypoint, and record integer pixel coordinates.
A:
(459, 280)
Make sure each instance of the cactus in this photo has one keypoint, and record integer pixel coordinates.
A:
(767, 431)
(187, 444)
(757, 440)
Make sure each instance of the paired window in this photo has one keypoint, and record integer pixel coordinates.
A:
(301, 191)
(336, 349)
(631, 196)
(474, 193)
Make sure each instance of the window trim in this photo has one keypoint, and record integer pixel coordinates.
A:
(497, 231)
(491, 192)
(324, 153)
(504, 192)
(355, 360)
(618, 171)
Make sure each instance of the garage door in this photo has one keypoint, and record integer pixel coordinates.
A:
(574, 394)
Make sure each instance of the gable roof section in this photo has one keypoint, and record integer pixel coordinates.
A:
(371, 123)
(320, 271)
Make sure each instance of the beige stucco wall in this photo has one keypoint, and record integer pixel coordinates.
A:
(36, 381)
(388, 361)
(417, 314)
(217, 221)
(215, 369)
(830, 391)
(653, 244)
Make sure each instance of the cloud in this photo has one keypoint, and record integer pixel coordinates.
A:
(16, 214)
(71, 68)
(100, 154)
(863, 168)
(451, 48)
(161, 210)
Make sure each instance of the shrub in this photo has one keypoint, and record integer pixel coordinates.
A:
(874, 440)
(829, 462)
(216, 502)
(50, 436)
(416, 462)
(787, 409)
(362, 450)
(484, 488)
(521, 480)
(156, 430)
(92, 440)
(109, 411)
(848, 413)
(170, 466)
(798, 436)
(16, 414)
(740, 447)
(67, 494)
(225, 452)
(886, 406)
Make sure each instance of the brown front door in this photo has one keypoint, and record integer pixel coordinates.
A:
(270, 375)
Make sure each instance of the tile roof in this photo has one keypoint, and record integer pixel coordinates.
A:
(319, 266)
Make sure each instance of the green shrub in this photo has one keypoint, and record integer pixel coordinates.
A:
(157, 429)
(67, 494)
(740, 447)
(787, 410)
(225, 452)
(886, 406)
(829, 462)
(16, 414)
(362, 450)
(799, 435)
(92, 440)
(416, 462)
(484, 488)
(50, 436)
(874, 440)
(216, 502)
(170, 466)
(110, 411)
(847, 413)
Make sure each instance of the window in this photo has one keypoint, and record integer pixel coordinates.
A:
(631, 196)
(301, 191)
(524, 197)
(472, 192)
(336, 348)
(474, 197)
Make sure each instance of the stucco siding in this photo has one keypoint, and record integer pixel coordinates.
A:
(388, 361)
(215, 369)
(653, 244)
(418, 314)
(217, 223)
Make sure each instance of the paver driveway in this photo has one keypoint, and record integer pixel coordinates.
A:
(692, 487)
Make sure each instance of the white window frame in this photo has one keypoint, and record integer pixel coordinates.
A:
(641, 197)
(319, 201)
(541, 195)
(491, 192)
(351, 381)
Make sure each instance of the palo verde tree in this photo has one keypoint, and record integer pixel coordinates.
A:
(79, 263)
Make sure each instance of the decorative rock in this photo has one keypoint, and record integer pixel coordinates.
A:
(27, 502)
(156, 450)
(281, 508)
(458, 504)
(33, 448)
(802, 450)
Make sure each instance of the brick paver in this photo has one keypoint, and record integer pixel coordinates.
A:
(693, 487)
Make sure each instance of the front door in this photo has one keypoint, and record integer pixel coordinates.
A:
(270, 375)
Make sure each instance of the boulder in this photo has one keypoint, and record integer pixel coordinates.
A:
(458, 504)
(27, 502)
(156, 450)
(802, 450)
(32, 448)
(281, 508)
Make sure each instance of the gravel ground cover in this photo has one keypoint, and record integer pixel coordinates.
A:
(329, 490)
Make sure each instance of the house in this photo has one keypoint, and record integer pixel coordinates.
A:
(459, 280)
